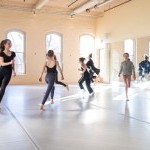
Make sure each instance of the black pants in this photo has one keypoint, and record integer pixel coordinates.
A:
(87, 82)
(50, 79)
(5, 76)
(56, 81)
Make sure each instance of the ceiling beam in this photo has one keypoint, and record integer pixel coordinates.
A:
(40, 4)
(88, 5)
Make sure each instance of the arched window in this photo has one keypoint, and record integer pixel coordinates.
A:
(87, 45)
(18, 46)
(54, 42)
(129, 47)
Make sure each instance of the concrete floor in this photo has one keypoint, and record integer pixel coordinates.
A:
(102, 122)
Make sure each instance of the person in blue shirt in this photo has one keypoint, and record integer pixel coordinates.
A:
(144, 67)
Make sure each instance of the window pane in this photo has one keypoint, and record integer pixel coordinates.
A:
(17, 40)
(20, 68)
(129, 47)
(54, 42)
(86, 45)
(19, 59)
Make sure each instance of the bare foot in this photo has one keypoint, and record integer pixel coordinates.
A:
(67, 87)
(52, 101)
(42, 107)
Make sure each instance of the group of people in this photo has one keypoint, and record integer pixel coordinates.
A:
(7, 67)
(88, 71)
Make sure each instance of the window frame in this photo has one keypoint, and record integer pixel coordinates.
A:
(91, 35)
(133, 56)
(61, 36)
(24, 45)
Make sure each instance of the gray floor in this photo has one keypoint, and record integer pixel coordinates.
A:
(101, 122)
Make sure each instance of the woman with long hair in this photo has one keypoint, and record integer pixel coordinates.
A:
(51, 65)
(6, 65)
(127, 69)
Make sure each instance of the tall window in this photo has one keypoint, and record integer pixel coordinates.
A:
(87, 45)
(18, 46)
(54, 42)
(129, 47)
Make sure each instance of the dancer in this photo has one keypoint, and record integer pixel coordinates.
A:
(50, 64)
(56, 80)
(127, 69)
(144, 67)
(93, 69)
(6, 65)
(85, 76)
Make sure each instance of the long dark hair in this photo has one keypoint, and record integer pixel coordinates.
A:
(82, 59)
(2, 44)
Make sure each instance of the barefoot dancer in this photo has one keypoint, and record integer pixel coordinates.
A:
(127, 68)
(6, 65)
(56, 80)
(50, 64)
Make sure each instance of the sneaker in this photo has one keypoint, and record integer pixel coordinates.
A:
(91, 94)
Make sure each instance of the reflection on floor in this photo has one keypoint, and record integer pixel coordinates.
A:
(104, 121)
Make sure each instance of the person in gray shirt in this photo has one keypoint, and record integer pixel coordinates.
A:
(127, 69)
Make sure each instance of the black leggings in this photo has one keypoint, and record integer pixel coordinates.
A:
(88, 83)
(57, 82)
(5, 76)
(50, 79)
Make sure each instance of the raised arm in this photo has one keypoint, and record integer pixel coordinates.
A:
(60, 70)
(43, 70)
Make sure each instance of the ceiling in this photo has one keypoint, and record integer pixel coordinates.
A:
(61, 6)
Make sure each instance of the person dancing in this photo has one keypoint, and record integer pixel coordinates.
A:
(6, 65)
(85, 77)
(93, 69)
(50, 64)
(127, 69)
